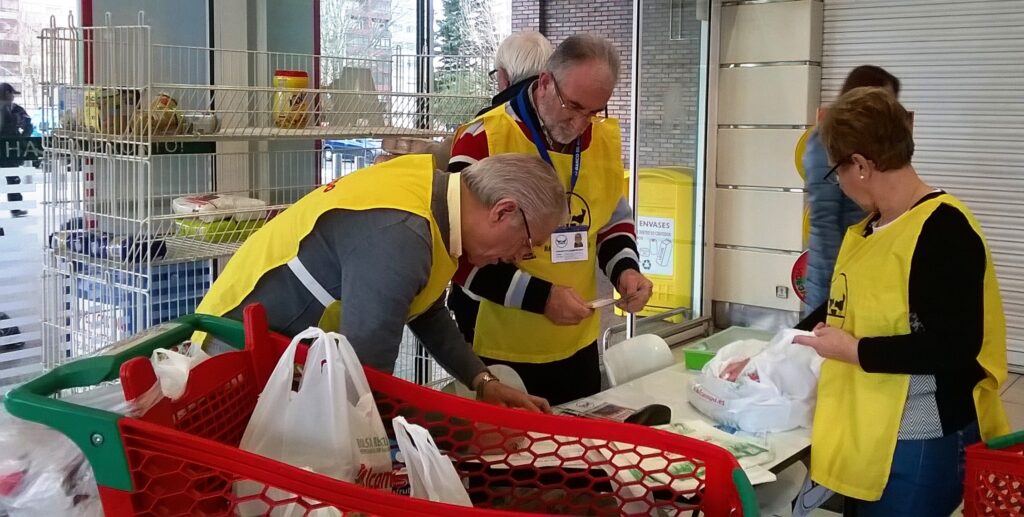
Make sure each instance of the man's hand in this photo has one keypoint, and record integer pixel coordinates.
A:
(832, 343)
(635, 290)
(496, 393)
(565, 307)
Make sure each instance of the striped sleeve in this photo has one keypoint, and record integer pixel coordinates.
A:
(503, 284)
(616, 243)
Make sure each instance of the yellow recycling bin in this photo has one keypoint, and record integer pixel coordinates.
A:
(664, 235)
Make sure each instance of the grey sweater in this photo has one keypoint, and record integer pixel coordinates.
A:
(375, 261)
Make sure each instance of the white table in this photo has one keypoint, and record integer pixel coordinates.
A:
(669, 386)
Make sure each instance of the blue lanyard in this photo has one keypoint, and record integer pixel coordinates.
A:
(542, 146)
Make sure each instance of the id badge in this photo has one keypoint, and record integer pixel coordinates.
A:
(569, 244)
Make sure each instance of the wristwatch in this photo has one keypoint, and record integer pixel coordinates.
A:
(485, 379)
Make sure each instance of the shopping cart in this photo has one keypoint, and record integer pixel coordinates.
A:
(182, 458)
(994, 477)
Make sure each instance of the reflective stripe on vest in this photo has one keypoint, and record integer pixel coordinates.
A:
(405, 183)
(310, 283)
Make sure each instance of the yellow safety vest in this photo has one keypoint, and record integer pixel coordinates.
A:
(522, 336)
(404, 183)
(857, 420)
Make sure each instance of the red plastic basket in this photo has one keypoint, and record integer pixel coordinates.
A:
(183, 457)
(994, 477)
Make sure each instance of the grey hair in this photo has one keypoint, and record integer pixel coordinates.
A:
(523, 54)
(582, 48)
(524, 178)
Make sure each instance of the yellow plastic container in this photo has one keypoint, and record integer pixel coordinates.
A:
(291, 108)
(106, 109)
(665, 240)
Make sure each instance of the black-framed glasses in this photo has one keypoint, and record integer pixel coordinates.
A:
(833, 174)
(529, 237)
(493, 74)
(576, 111)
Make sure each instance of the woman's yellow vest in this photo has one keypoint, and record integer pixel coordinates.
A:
(404, 183)
(857, 420)
(522, 336)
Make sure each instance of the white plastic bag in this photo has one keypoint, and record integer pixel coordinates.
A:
(110, 397)
(329, 426)
(775, 391)
(172, 368)
(205, 203)
(43, 473)
(431, 474)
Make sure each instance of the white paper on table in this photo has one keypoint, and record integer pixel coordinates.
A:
(750, 455)
(747, 452)
(631, 462)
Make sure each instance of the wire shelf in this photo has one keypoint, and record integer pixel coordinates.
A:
(120, 210)
(161, 160)
(130, 90)
(216, 114)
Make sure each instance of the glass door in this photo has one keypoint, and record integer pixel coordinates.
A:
(667, 162)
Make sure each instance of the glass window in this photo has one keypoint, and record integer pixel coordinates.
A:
(21, 185)
(466, 36)
(380, 35)
(668, 153)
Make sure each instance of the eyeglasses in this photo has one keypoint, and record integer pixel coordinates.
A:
(493, 74)
(576, 111)
(529, 237)
(833, 173)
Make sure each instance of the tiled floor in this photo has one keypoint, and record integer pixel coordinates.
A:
(1013, 400)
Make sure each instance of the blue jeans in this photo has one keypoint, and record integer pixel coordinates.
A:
(927, 478)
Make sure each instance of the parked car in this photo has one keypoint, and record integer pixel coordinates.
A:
(349, 149)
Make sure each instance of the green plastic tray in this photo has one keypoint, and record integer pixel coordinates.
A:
(698, 353)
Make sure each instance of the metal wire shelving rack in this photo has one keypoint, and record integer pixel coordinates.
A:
(162, 159)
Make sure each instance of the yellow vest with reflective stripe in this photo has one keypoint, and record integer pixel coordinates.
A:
(522, 336)
(858, 415)
(404, 183)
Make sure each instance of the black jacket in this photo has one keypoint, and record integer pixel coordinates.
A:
(14, 121)
(508, 94)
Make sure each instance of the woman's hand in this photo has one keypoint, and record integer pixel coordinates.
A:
(832, 343)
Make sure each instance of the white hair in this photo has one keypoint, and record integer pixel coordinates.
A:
(522, 54)
(582, 48)
(524, 178)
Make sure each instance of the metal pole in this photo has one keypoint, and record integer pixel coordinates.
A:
(424, 84)
(424, 63)
(634, 99)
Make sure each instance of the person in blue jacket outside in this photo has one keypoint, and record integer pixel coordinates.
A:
(831, 212)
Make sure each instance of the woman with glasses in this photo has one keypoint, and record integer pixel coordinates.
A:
(913, 331)
(830, 211)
